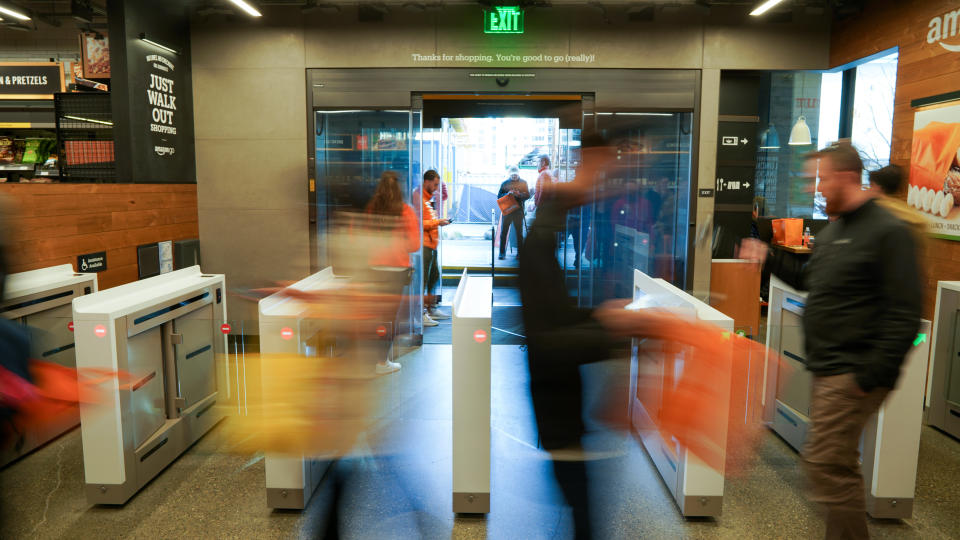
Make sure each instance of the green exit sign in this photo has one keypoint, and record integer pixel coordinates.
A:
(503, 20)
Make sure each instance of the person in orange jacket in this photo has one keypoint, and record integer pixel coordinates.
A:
(431, 238)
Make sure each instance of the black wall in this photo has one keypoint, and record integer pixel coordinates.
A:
(741, 98)
(144, 155)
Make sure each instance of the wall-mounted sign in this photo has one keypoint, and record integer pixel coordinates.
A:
(935, 170)
(30, 80)
(503, 20)
(92, 262)
(162, 99)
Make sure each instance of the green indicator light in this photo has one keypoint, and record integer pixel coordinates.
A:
(920, 339)
(503, 20)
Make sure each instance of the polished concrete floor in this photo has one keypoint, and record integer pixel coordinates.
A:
(399, 487)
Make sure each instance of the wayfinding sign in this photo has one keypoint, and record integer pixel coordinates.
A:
(503, 20)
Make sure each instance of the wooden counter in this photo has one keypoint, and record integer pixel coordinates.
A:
(735, 292)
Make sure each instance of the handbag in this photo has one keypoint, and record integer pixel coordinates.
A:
(508, 203)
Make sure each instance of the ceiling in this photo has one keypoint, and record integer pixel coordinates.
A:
(91, 14)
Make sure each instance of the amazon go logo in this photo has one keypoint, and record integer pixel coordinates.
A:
(944, 27)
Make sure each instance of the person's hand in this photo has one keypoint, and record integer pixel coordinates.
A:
(753, 250)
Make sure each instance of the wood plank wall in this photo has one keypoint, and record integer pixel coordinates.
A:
(51, 224)
(924, 70)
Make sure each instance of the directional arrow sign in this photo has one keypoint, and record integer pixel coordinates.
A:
(744, 141)
(920, 339)
(746, 184)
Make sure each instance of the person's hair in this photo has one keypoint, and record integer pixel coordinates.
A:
(843, 156)
(388, 199)
(546, 158)
(430, 175)
(890, 179)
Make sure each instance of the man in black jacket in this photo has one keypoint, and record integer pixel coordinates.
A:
(862, 314)
(516, 187)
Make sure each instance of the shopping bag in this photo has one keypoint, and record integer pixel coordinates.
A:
(793, 232)
(508, 203)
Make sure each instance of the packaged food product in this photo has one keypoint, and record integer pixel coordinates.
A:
(31, 150)
(7, 153)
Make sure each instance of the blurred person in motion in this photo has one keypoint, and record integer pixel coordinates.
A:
(861, 316)
(516, 188)
(562, 337)
(14, 344)
(431, 238)
(390, 269)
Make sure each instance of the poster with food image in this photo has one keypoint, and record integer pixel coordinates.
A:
(96, 56)
(935, 169)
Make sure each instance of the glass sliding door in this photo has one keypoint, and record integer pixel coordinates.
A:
(353, 148)
(645, 224)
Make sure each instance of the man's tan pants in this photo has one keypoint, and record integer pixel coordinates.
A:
(839, 409)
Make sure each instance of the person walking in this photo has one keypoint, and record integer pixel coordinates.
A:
(861, 316)
(394, 224)
(517, 189)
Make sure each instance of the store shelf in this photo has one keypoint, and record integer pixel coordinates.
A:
(17, 167)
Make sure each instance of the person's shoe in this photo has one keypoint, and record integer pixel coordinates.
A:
(387, 367)
(437, 315)
(502, 256)
(428, 320)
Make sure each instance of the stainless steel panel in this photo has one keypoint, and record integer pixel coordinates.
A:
(196, 374)
(793, 384)
(145, 364)
(953, 372)
(52, 339)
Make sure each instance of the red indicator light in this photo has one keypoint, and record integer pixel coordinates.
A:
(100, 330)
(381, 330)
(480, 336)
(70, 326)
(225, 328)
(286, 332)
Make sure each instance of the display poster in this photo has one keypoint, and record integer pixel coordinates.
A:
(162, 104)
(39, 80)
(935, 169)
(95, 50)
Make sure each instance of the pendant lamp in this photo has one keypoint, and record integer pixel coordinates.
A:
(800, 134)
(770, 139)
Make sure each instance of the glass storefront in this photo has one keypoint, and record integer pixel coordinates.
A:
(353, 148)
(641, 215)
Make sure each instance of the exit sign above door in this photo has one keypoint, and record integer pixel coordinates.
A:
(503, 20)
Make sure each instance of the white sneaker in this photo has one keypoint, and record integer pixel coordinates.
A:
(438, 315)
(387, 367)
(428, 321)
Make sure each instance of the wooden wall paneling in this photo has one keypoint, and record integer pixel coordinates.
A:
(53, 223)
(923, 70)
